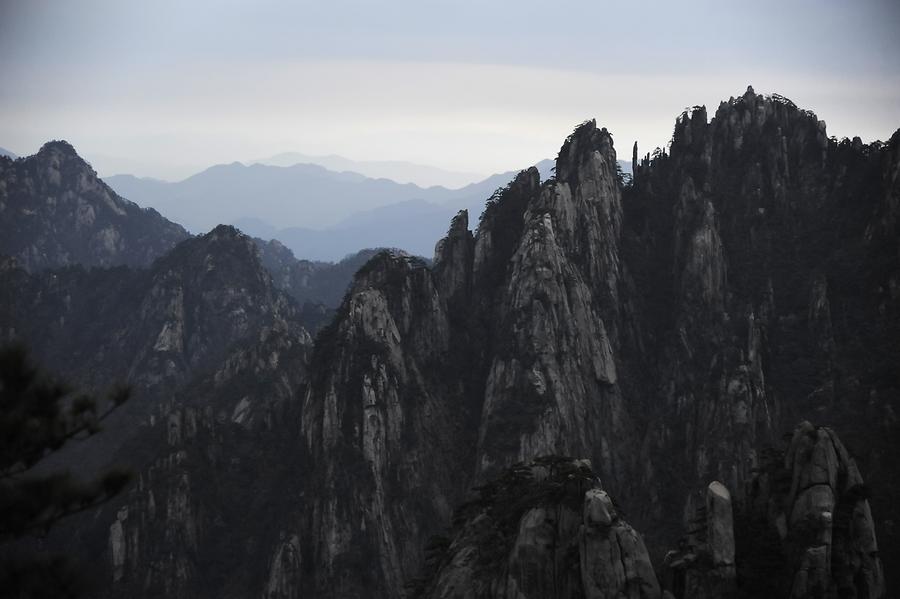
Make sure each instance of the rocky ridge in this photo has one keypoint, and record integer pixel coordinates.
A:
(55, 211)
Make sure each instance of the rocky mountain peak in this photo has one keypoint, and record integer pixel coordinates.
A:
(55, 211)
(59, 148)
(223, 246)
(453, 258)
(579, 147)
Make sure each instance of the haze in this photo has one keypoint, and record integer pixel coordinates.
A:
(164, 89)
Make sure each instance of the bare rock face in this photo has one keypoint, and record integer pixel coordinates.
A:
(558, 319)
(829, 524)
(453, 257)
(816, 500)
(543, 530)
(55, 211)
(379, 404)
(703, 566)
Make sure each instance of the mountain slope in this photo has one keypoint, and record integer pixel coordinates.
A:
(54, 211)
(157, 329)
(214, 352)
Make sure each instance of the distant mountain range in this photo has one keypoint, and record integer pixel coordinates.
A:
(422, 175)
(318, 213)
(7, 153)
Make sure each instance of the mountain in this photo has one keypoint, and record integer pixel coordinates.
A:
(414, 225)
(460, 428)
(307, 281)
(54, 211)
(157, 329)
(318, 287)
(6, 153)
(213, 352)
(299, 195)
(668, 331)
(321, 215)
(395, 170)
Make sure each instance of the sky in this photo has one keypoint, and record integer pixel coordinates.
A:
(166, 88)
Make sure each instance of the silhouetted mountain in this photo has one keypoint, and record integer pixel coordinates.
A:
(54, 211)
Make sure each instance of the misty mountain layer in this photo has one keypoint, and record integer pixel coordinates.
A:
(319, 214)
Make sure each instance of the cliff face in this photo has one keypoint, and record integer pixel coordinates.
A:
(54, 212)
(667, 330)
(382, 424)
(815, 498)
(499, 354)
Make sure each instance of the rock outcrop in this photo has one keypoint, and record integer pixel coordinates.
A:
(542, 530)
(815, 499)
(55, 211)
(703, 566)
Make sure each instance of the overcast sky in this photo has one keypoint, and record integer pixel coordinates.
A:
(162, 88)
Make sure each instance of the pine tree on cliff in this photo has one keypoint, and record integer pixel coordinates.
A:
(38, 415)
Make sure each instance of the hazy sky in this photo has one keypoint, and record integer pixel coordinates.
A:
(161, 88)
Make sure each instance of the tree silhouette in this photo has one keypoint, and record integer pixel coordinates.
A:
(38, 415)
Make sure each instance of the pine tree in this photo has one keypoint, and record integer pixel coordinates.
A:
(38, 415)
